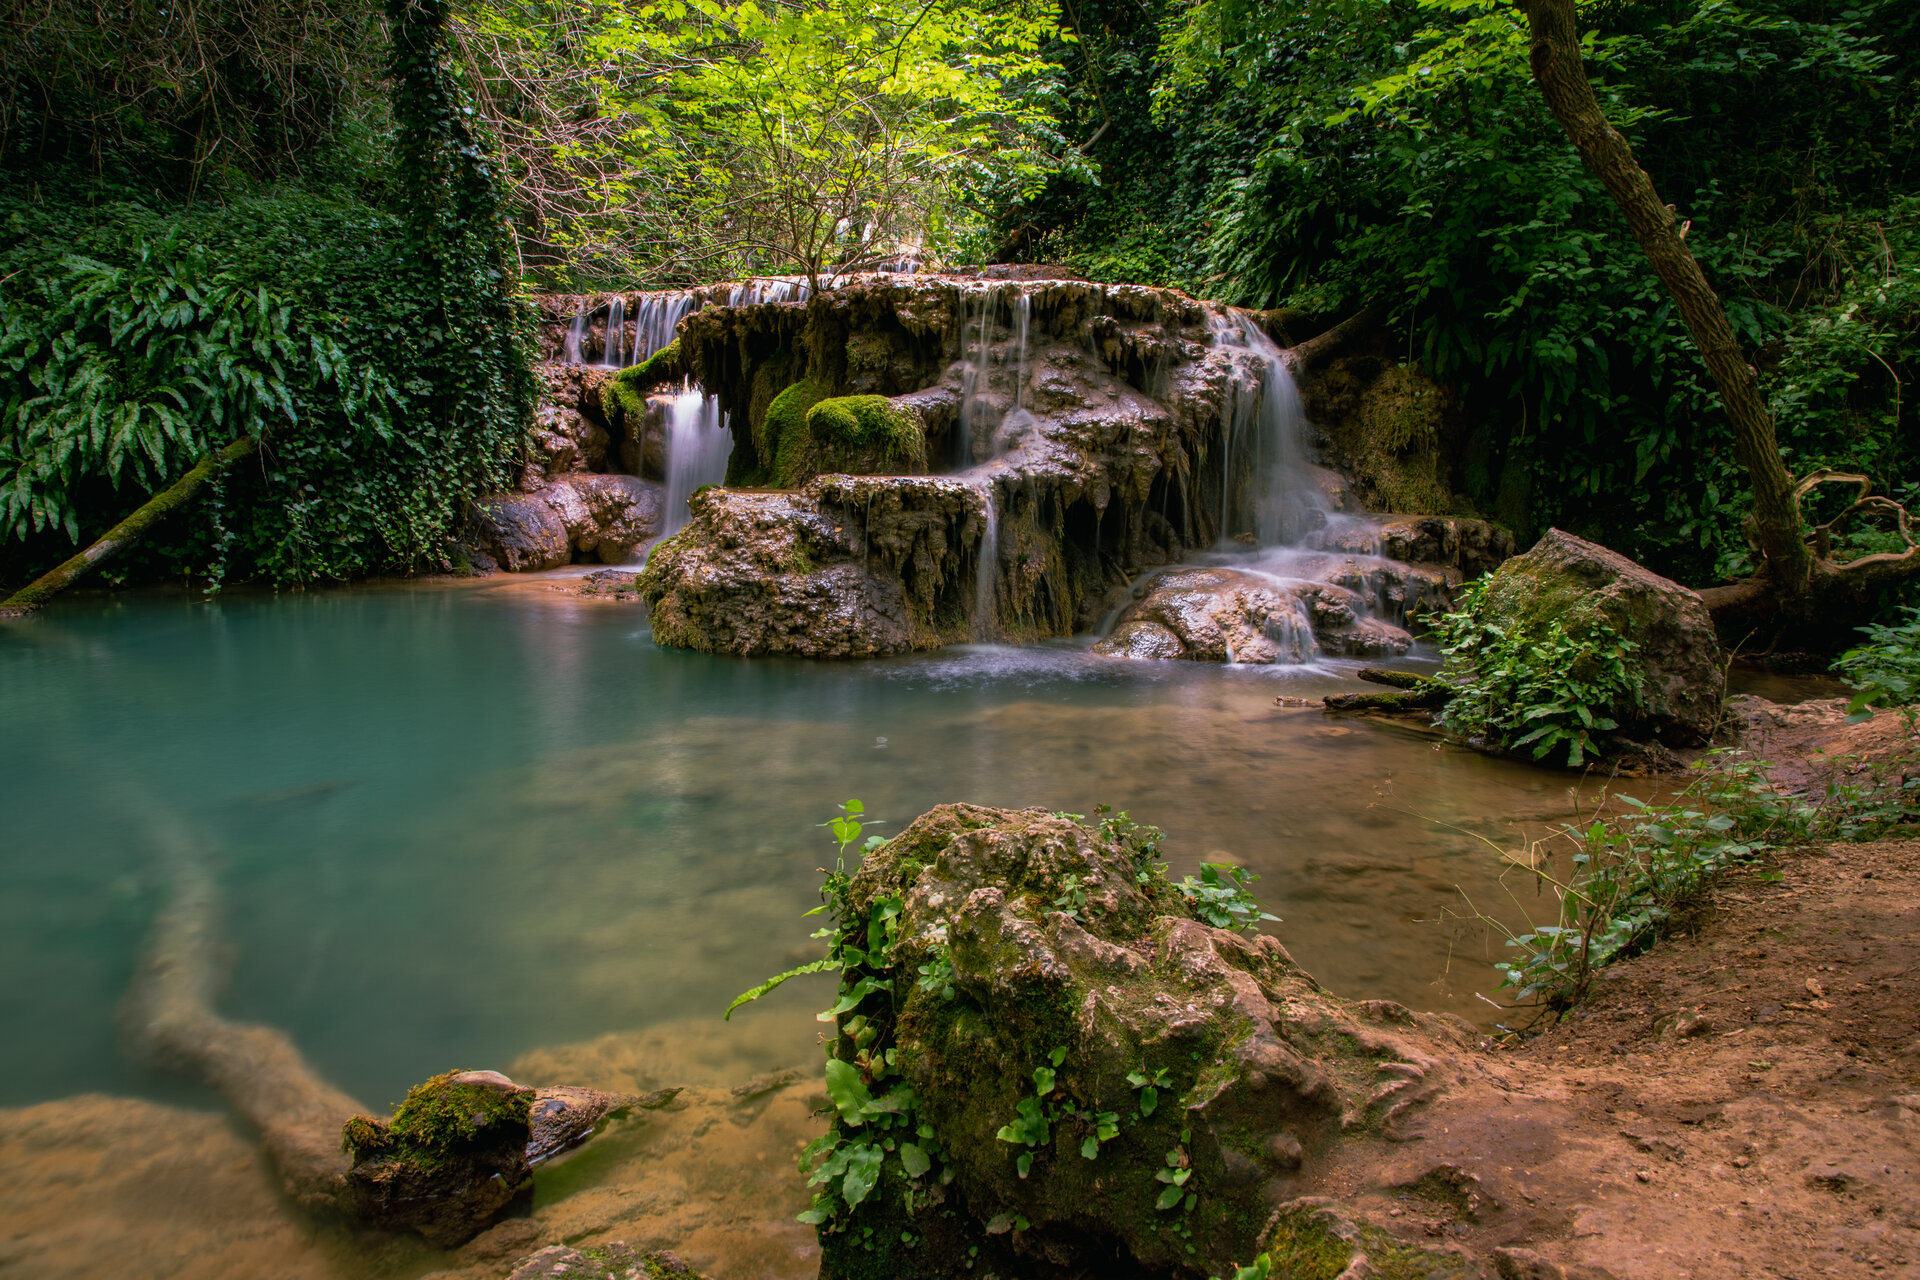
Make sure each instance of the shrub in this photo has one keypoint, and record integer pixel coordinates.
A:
(1540, 686)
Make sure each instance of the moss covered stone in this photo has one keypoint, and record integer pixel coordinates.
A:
(624, 394)
(807, 433)
(1576, 583)
(451, 1157)
(1072, 979)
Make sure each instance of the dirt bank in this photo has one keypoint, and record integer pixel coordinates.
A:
(1741, 1102)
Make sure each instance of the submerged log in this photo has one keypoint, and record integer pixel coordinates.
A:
(438, 1166)
(127, 532)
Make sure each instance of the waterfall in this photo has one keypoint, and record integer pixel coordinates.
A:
(698, 443)
(616, 334)
(570, 350)
(657, 321)
(976, 328)
(1288, 505)
(1264, 433)
(986, 574)
(753, 292)
(1020, 377)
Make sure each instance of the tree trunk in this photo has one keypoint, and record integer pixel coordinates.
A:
(1776, 524)
(127, 532)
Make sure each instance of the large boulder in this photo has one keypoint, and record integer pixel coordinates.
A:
(850, 567)
(578, 516)
(1092, 1081)
(1568, 580)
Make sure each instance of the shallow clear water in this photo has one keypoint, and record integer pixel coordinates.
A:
(454, 823)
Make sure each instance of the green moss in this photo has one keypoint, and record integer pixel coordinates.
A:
(625, 393)
(770, 377)
(443, 1113)
(1394, 441)
(785, 432)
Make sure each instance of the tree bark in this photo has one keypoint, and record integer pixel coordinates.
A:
(126, 533)
(1776, 526)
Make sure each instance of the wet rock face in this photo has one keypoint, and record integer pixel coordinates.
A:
(1677, 655)
(1094, 439)
(775, 573)
(1114, 1087)
(1234, 615)
(604, 517)
(461, 1147)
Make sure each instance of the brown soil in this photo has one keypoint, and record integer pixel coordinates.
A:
(1742, 1102)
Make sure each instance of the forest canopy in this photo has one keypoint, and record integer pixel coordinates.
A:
(1320, 156)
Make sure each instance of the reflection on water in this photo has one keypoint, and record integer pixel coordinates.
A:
(453, 826)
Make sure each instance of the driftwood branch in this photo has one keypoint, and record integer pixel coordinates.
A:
(127, 532)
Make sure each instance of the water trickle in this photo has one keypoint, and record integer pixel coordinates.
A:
(1264, 438)
(986, 577)
(570, 351)
(977, 316)
(657, 321)
(1020, 375)
(750, 293)
(698, 444)
(615, 348)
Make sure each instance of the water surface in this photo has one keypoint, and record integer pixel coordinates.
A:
(454, 824)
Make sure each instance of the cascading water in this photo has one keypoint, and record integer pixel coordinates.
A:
(749, 293)
(657, 321)
(976, 330)
(986, 576)
(616, 334)
(570, 350)
(698, 444)
(1287, 505)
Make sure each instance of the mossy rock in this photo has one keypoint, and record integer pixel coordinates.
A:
(1676, 655)
(625, 393)
(787, 447)
(814, 434)
(1393, 442)
(453, 1155)
(1071, 970)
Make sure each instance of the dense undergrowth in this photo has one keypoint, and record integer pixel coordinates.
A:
(321, 266)
(137, 338)
(1330, 154)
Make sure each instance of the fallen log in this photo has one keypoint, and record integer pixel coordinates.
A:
(127, 532)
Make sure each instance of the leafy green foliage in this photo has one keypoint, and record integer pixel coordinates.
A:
(380, 360)
(1539, 687)
(1885, 671)
(876, 1111)
(1327, 154)
(135, 340)
(1220, 897)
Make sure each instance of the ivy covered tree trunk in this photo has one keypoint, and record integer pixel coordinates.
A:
(451, 193)
(1777, 526)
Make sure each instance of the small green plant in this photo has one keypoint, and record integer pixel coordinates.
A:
(1631, 872)
(1220, 898)
(1885, 671)
(1544, 688)
(876, 1112)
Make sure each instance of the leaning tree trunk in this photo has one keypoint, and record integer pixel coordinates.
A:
(127, 532)
(1777, 528)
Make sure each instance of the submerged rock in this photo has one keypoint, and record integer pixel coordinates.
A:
(1230, 614)
(1682, 680)
(449, 1160)
(1102, 1084)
